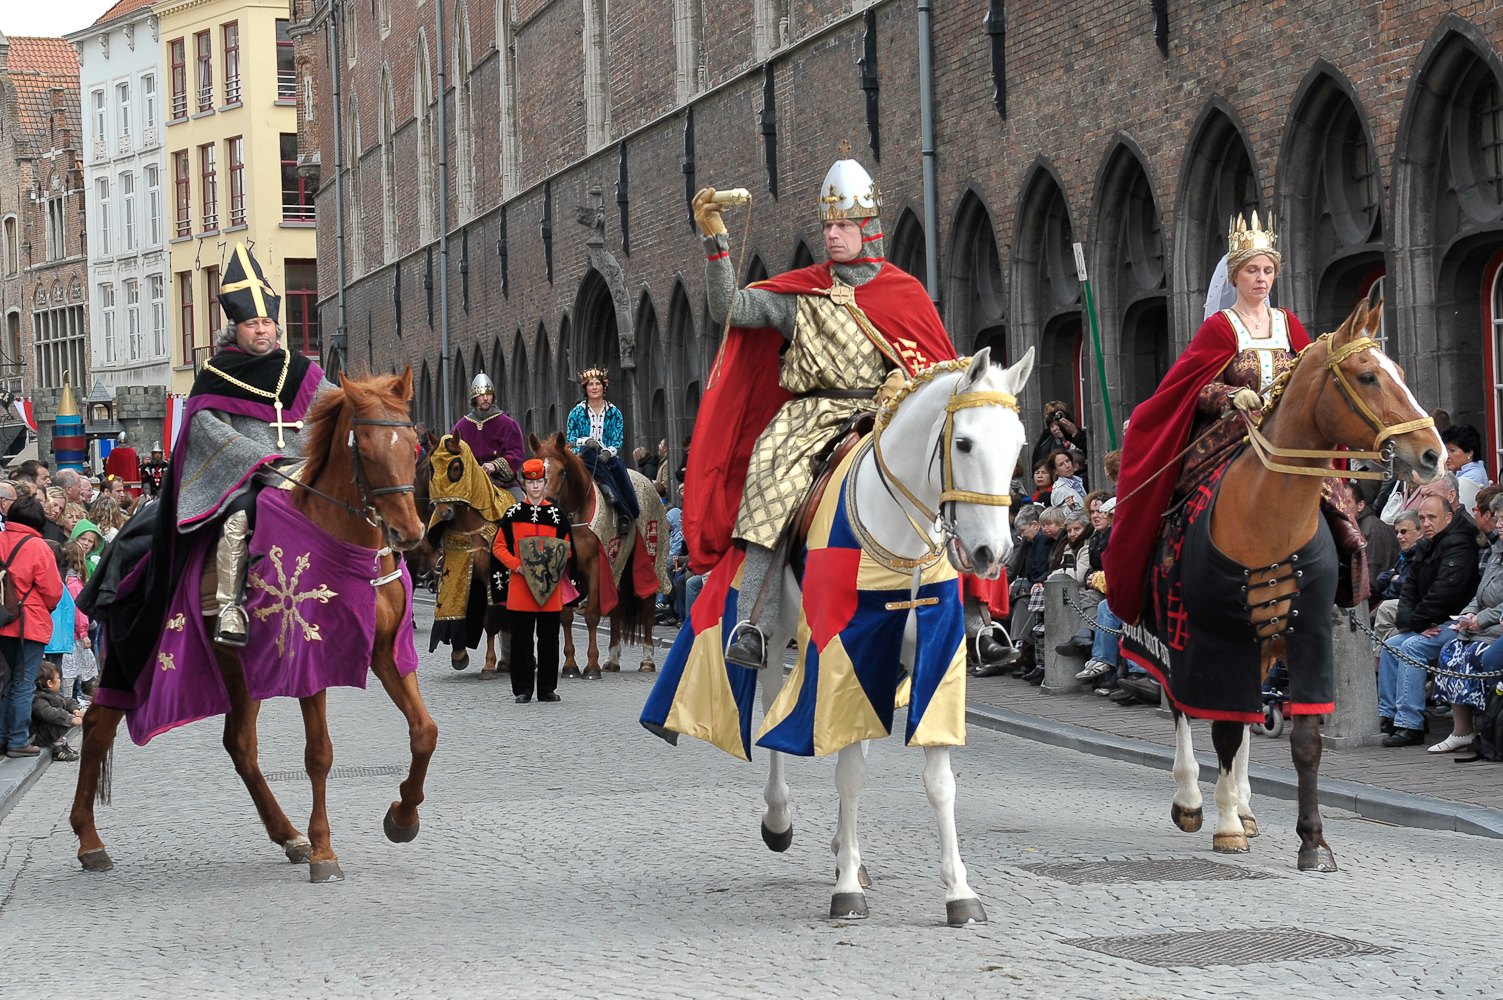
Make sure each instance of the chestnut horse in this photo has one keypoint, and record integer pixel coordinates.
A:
(632, 618)
(1262, 515)
(373, 414)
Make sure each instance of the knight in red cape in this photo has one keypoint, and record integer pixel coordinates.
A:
(1237, 354)
(804, 353)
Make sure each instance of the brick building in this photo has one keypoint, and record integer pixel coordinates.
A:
(44, 275)
(1373, 131)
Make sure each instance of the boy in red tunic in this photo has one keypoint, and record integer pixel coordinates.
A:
(533, 542)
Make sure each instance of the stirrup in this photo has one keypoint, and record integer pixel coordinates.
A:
(742, 631)
(233, 627)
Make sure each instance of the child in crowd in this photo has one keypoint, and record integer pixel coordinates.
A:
(78, 665)
(53, 714)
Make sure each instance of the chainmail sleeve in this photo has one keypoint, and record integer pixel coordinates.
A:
(750, 307)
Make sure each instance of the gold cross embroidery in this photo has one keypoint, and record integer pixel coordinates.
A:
(255, 284)
(288, 599)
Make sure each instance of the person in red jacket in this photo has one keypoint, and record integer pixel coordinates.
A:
(533, 542)
(32, 571)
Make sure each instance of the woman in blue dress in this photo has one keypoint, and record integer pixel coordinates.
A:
(597, 433)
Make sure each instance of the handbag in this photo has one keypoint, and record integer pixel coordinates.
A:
(10, 601)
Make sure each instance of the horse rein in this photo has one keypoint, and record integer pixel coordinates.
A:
(1266, 451)
(948, 493)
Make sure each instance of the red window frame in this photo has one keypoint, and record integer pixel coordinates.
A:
(185, 313)
(235, 147)
(183, 195)
(208, 177)
(297, 200)
(231, 37)
(301, 310)
(286, 63)
(203, 50)
(179, 48)
(215, 317)
(1490, 351)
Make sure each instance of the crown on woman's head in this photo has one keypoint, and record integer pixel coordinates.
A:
(1242, 237)
(593, 373)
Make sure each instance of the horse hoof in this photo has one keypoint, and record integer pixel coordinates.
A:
(959, 912)
(647, 667)
(1229, 843)
(399, 834)
(325, 871)
(1316, 859)
(779, 842)
(1188, 820)
(865, 880)
(592, 673)
(1249, 826)
(848, 906)
(461, 662)
(611, 668)
(487, 673)
(298, 850)
(570, 672)
(97, 860)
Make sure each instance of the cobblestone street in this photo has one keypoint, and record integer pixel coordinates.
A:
(565, 852)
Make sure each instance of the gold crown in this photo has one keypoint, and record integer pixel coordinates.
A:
(594, 373)
(1241, 237)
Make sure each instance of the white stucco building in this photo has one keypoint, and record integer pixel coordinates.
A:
(123, 88)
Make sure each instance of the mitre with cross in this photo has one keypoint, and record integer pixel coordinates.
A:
(244, 292)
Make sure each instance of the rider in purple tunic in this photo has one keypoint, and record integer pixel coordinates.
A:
(493, 437)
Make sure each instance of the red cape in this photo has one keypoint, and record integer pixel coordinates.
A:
(1158, 431)
(123, 462)
(743, 394)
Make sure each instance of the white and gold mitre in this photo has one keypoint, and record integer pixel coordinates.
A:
(1241, 237)
(848, 191)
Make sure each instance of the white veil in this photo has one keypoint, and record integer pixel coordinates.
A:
(1221, 294)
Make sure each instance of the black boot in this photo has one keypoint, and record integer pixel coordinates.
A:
(748, 648)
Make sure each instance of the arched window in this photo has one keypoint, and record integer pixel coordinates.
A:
(356, 237)
(1448, 223)
(422, 110)
(597, 341)
(652, 376)
(906, 249)
(756, 270)
(464, 123)
(1330, 198)
(425, 398)
(459, 388)
(1218, 183)
(802, 256)
(685, 369)
(522, 399)
(498, 374)
(1047, 308)
(977, 311)
(1131, 292)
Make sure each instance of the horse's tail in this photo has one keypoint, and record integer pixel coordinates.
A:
(633, 617)
(105, 789)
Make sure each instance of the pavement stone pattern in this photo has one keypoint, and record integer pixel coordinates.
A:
(566, 852)
(1401, 769)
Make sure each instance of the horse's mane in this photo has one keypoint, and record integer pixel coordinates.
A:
(363, 395)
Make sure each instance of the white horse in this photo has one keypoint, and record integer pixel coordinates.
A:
(983, 445)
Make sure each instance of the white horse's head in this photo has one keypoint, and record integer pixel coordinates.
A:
(985, 442)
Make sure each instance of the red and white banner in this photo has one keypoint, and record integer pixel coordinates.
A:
(173, 424)
(25, 412)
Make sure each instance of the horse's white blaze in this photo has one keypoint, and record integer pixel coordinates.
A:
(1393, 372)
(393, 439)
(1239, 775)
(1186, 767)
(850, 781)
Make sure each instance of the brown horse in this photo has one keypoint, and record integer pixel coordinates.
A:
(633, 616)
(382, 473)
(1342, 392)
(458, 529)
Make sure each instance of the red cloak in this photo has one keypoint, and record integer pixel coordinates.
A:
(743, 394)
(123, 463)
(1158, 431)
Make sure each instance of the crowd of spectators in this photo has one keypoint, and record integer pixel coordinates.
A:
(53, 530)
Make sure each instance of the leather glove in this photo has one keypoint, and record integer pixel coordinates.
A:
(896, 379)
(592, 443)
(1248, 400)
(707, 213)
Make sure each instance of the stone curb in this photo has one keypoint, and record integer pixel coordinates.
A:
(17, 775)
(1398, 808)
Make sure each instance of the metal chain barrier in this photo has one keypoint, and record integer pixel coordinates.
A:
(1091, 621)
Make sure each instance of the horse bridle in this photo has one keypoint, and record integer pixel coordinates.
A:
(1382, 449)
(368, 511)
(949, 495)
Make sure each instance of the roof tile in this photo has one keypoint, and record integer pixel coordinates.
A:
(123, 7)
(35, 66)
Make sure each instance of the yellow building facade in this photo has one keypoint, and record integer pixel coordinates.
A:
(230, 102)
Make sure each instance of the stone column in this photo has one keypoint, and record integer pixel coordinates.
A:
(1060, 622)
(1355, 721)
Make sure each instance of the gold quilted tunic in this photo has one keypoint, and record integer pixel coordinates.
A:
(828, 350)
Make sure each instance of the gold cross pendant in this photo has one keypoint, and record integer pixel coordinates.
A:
(279, 423)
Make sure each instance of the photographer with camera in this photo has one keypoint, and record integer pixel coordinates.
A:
(1061, 433)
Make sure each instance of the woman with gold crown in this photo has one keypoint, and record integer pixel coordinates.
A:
(1234, 358)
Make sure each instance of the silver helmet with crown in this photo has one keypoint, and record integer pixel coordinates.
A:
(481, 385)
(848, 191)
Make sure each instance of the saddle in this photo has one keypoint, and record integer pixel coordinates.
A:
(830, 456)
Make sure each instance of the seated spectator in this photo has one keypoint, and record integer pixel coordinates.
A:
(1474, 650)
(1487, 525)
(53, 715)
(1464, 452)
(1442, 579)
(1028, 584)
(1382, 542)
(1087, 640)
(1043, 484)
(1391, 581)
(1065, 467)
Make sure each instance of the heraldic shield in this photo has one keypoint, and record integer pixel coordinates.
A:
(543, 562)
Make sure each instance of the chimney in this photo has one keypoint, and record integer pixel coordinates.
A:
(4, 52)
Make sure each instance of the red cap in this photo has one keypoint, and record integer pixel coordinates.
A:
(534, 468)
